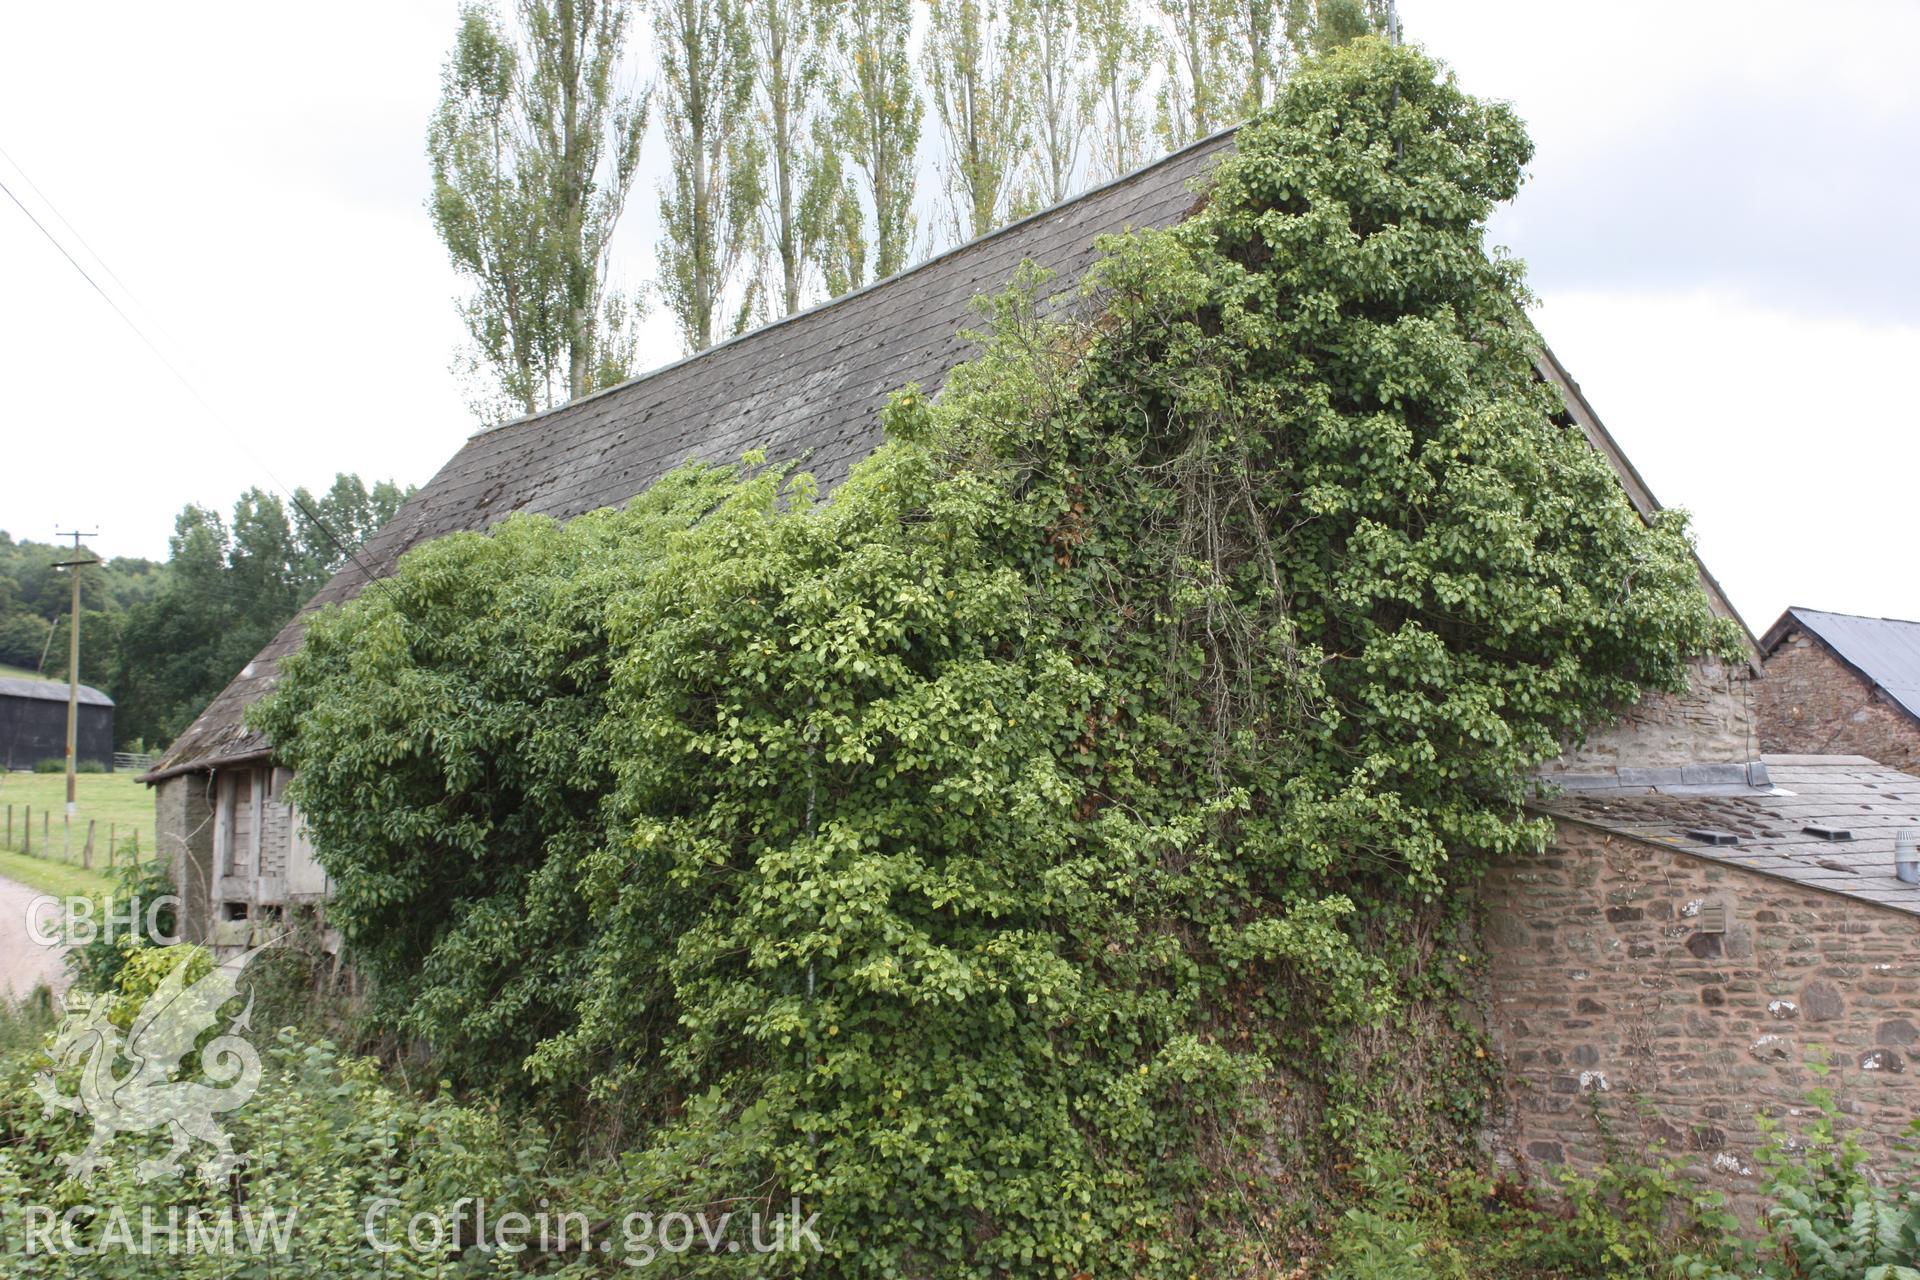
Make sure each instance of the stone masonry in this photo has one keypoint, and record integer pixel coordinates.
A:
(1711, 722)
(183, 830)
(1609, 988)
(1809, 702)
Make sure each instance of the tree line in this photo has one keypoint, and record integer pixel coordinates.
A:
(813, 146)
(162, 640)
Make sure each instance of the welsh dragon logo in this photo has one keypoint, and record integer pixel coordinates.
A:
(146, 1095)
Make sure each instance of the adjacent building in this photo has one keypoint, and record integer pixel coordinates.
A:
(1840, 683)
(33, 723)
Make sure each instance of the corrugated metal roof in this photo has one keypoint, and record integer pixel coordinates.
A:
(49, 691)
(1884, 650)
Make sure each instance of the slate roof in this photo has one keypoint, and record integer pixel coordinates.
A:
(49, 691)
(1886, 651)
(807, 388)
(1850, 794)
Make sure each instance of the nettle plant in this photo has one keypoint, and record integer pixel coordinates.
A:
(989, 855)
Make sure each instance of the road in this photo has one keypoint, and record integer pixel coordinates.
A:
(24, 963)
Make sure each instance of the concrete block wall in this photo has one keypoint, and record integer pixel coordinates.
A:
(1605, 989)
(1810, 703)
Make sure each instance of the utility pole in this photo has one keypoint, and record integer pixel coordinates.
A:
(73, 655)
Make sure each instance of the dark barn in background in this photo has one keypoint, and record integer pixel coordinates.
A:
(33, 723)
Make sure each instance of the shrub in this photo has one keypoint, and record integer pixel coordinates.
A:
(58, 764)
(1831, 1216)
(325, 1140)
(1627, 1219)
(96, 964)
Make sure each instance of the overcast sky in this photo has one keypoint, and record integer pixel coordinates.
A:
(1720, 225)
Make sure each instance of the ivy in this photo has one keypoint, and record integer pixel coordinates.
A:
(1000, 855)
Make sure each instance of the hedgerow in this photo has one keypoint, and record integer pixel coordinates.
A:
(1018, 856)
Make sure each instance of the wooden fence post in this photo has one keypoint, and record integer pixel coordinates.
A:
(86, 854)
(113, 839)
(28, 829)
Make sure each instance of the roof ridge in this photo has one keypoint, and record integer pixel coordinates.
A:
(945, 255)
(1798, 609)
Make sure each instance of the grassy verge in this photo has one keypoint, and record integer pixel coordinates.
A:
(118, 805)
(62, 880)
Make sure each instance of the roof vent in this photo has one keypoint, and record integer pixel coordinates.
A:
(1906, 856)
(1827, 833)
(1709, 835)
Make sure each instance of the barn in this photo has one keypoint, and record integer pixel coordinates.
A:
(1714, 933)
(33, 723)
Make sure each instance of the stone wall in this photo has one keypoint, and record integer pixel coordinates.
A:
(1811, 703)
(183, 827)
(1710, 723)
(1605, 989)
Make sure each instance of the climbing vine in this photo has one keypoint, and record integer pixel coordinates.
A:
(1013, 856)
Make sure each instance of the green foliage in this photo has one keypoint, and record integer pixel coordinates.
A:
(876, 112)
(227, 589)
(710, 193)
(147, 966)
(35, 599)
(977, 59)
(983, 855)
(24, 1023)
(534, 146)
(97, 964)
(1390, 1234)
(58, 764)
(326, 1141)
(1626, 1219)
(1831, 1216)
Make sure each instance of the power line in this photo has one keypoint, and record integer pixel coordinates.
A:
(351, 553)
(91, 251)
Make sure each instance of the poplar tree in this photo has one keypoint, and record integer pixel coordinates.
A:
(1060, 94)
(1264, 30)
(1227, 59)
(1322, 26)
(534, 147)
(976, 64)
(877, 115)
(831, 210)
(1121, 50)
(710, 194)
(1198, 88)
(785, 38)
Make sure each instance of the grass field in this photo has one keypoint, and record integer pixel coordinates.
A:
(116, 802)
(21, 672)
